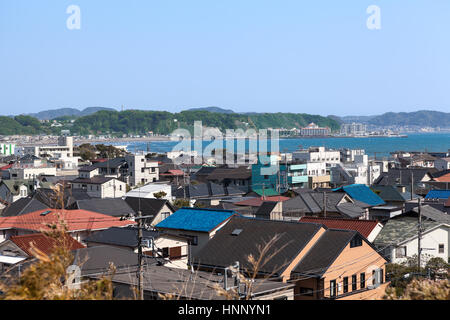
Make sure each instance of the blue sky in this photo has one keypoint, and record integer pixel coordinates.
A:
(257, 56)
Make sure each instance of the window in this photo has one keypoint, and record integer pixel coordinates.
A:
(345, 284)
(266, 177)
(333, 288)
(354, 279)
(306, 291)
(356, 242)
(142, 170)
(441, 248)
(165, 252)
(400, 252)
(362, 280)
(164, 215)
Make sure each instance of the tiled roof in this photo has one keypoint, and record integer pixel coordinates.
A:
(258, 201)
(438, 194)
(400, 229)
(42, 242)
(324, 252)
(362, 193)
(126, 237)
(364, 227)
(193, 219)
(228, 245)
(443, 178)
(115, 207)
(75, 220)
(23, 206)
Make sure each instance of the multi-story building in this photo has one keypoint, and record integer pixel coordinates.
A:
(314, 130)
(141, 170)
(353, 129)
(317, 154)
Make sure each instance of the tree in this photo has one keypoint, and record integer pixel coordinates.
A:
(421, 290)
(179, 203)
(438, 267)
(159, 195)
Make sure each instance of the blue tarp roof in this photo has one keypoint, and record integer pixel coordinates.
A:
(438, 194)
(194, 219)
(362, 193)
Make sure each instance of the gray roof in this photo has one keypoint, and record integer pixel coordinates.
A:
(125, 237)
(401, 176)
(324, 252)
(432, 213)
(399, 229)
(148, 206)
(265, 209)
(391, 193)
(256, 232)
(115, 207)
(311, 203)
(96, 260)
(23, 206)
(205, 190)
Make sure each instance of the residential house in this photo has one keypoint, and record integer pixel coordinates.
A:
(80, 223)
(100, 187)
(198, 225)
(150, 189)
(19, 248)
(161, 280)
(398, 240)
(172, 249)
(442, 163)
(158, 209)
(316, 258)
(313, 203)
(115, 207)
(206, 193)
(369, 229)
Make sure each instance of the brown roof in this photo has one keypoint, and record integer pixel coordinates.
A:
(364, 227)
(42, 242)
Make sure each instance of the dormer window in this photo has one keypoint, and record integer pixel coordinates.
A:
(356, 242)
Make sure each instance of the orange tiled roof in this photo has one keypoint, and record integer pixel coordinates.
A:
(42, 242)
(444, 178)
(76, 220)
(364, 227)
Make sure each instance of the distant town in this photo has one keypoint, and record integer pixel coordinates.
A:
(336, 223)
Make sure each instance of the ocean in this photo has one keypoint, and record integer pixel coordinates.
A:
(381, 146)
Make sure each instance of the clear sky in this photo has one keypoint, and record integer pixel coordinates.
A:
(315, 57)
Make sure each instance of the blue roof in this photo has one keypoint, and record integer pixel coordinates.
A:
(362, 193)
(438, 194)
(195, 219)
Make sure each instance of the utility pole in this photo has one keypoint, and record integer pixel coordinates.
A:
(141, 266)
(419, 249)
(412, 184)
(324, 204)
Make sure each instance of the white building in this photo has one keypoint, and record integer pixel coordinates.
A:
(64, 148)
(25, 172)
(150, 189)
(442, 163)
(101, 187)
(317, 154)
(141, 170)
